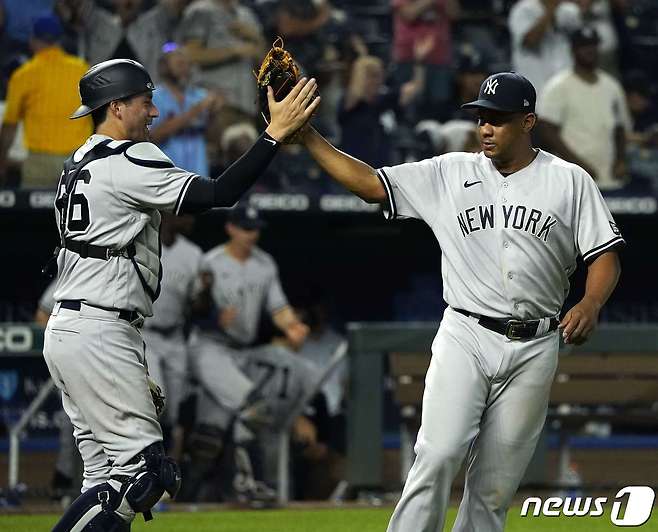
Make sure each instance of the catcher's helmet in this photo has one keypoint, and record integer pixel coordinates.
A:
(111, 80)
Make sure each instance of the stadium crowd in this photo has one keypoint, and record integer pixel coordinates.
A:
(392, 75)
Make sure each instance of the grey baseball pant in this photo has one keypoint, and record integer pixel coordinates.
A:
(485, 400)
(98, 363)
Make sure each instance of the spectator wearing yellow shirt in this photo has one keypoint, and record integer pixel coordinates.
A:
(42, 94)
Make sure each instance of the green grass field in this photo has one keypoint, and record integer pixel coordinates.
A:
(331, 520)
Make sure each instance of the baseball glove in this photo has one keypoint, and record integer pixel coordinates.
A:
(279, 71)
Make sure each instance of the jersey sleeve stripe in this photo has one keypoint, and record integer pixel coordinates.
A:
(148, 164)
(617, 241)
(182, 193)
(390, 213)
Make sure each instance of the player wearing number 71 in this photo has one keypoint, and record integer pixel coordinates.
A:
(511, 222)
(107, 210)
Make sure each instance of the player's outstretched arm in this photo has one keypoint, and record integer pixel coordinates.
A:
(288, 116)
(602, 276)
(355, 175)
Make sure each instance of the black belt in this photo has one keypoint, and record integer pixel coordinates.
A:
(512, 329)
(127, 315)
(164, 331)
(85, 250)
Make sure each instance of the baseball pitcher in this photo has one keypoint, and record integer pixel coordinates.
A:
(511, 221)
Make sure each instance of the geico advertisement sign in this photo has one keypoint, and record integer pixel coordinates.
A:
(15, 339)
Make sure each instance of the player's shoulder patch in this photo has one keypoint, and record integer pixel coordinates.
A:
(148, 155)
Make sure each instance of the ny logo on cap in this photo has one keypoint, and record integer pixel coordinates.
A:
(491, 86)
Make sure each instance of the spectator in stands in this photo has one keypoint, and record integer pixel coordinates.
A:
(482, 27)
(301, 23)
(184, 112)
(419, 20)
(641, 97)
(454, 135)
(235, 141)
(540, 43)
(471, 72)
(127, 33)
(42, 93)
(224, 38)
(366, 100)
(583, 116)
(16, 19)
(598, 14)
(642, 146)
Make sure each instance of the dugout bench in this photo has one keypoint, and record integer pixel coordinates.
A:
(605, 386)
(613, 377)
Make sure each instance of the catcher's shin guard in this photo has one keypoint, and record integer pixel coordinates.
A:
(143, 490)
(93, 511)
(104, 509)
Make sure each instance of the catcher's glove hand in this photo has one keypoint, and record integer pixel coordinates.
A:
(279, 71)
(157, 395)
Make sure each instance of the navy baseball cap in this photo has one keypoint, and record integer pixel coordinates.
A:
(585, 36)
(508, 92)
(247, 218)
(47, 27)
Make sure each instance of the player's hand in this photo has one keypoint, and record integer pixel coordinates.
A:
(579, 322)
(226, 317)
(296, 334)
(304, 431)
(291, 113)
(423, 47)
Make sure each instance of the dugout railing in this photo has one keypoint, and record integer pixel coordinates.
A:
(30, 346)
(370, 343)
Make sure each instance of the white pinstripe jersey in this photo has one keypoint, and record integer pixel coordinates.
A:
(116, 201)
(509, 244)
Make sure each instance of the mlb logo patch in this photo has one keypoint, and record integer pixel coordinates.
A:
(615, 229)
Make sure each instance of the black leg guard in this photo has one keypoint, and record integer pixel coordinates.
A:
(93, 511)
(142, 491)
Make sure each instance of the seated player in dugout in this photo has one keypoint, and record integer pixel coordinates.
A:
(108, 204)
(511, 222)
(239, 284)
